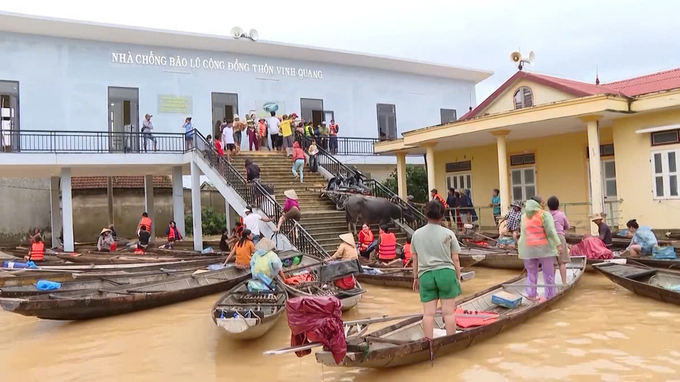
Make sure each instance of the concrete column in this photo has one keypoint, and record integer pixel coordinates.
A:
(503, 171)
(595, 167)
(231, 216)
(178, 199)
(67, 209)
(109, 198)
(431, 184)
(148, 204)
(55, 210)
(196, 206)
(401, 176)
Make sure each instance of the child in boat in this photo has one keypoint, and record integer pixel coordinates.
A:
(436, 269)
(243, 250)
(407, 252)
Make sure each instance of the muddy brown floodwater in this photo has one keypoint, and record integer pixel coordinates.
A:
(600, 332)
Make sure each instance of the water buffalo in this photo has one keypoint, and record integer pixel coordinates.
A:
(371, 210)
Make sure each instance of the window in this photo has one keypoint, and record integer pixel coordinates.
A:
(312, 110)
(665, 171)
(605, 150)
(459, 166)
(523, 97)
(447, 115)
(387, 121)
(665, 138)
(9, 110)
(523, 183)
(458, 181)
(522, 159)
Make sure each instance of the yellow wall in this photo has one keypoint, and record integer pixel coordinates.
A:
(634, 171)
(560, 170)
(542, 94)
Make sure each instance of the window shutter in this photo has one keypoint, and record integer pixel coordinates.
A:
(528, 97)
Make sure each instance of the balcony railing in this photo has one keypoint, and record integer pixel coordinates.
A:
(411, 215)
(44, 141)
(255, 195)
(349, 145)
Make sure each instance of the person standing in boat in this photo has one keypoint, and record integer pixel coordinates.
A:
(436, 269)
(643, 241)
(561, 224)
(538, 244)
(243, 250)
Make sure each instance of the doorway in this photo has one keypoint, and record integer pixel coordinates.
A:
(123, 119)
(312, 110)
(9, 114)
(224, 105)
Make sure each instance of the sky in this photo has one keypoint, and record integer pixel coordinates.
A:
(622, 38)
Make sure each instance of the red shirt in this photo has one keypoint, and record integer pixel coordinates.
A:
(218, 147)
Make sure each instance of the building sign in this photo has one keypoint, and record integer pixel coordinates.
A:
(174, 104)
(150, 59)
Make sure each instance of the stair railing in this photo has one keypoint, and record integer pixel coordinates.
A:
(256, 195)
(410, 214)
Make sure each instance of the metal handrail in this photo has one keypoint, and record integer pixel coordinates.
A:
(16, 141)
(254, 194)
(413, 218)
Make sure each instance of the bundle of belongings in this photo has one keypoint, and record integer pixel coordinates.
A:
(264, 266)
(317, 319)
(591, 248)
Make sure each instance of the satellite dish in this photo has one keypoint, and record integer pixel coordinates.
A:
(253, 35)
(236, 32)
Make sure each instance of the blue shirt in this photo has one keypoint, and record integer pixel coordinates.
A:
(189, 127)
(496, 201)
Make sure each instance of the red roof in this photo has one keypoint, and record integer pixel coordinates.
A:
(96, 182)
(650, 83)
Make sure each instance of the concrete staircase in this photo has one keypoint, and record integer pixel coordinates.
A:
(319, 215)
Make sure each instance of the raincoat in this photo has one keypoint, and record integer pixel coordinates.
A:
(537, 243)
(645, 238)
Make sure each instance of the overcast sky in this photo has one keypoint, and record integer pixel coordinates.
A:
(623, 38)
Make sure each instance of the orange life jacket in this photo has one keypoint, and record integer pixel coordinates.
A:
(388, 246)
(38, 251)
(365, 239)
(407, 252)
(171, 234)
(263, 129)
(441, 200)
(534, 231)
(145, 222)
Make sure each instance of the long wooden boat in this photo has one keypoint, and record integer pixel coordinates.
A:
(248, 315)
(99, 282)
(78, 305)
(649, 282)
(398, 278)
(654, 263)
(502, 261)
(349, 298)
(127, 258)
(403, 343)
(467, 258)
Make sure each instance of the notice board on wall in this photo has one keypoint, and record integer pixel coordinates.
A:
(175, 104)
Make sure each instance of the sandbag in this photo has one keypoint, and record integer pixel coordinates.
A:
(592, 248)
(317, 319)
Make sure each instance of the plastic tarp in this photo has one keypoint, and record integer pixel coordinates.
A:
(339, 269)
(317, 319)
(591, 248)
(664, 253)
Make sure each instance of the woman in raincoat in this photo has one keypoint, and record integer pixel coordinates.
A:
(538, 244)
(643, 241)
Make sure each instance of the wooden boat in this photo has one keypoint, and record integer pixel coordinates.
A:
(403, 342)
(467, 258)
(399, 278)
(127, 258)
(96, 283)
(658, 284)
(247, 315)
(502, 261)
(654, 263)
(349, 298)
(78, 305)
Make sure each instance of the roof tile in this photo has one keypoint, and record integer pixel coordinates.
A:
(97, 182)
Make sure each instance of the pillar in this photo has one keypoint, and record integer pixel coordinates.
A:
(109, 198)
(148, 204)
(503, 171)
(196, 206)
(429, 158)
(401, 176)
(67, 209)
(232, 216)
(55, 210)
(178, 199)
(596, 199)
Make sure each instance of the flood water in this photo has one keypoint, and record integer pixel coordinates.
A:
(600, 332)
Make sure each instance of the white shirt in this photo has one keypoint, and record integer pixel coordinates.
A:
(273, 125)
(147, 125)
(252, 222)
(228, 135)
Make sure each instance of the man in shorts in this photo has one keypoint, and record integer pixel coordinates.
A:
(436, 269)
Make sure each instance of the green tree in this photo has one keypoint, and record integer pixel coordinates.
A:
(416, 183)
(211, 221)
